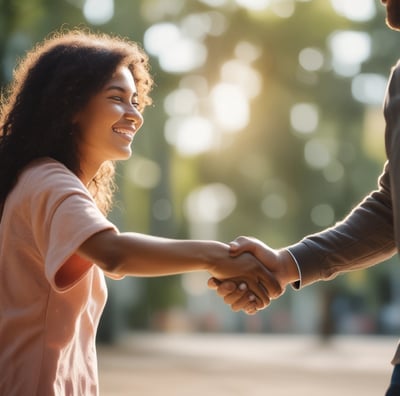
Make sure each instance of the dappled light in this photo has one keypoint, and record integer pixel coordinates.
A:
(241, 75)
(274, 205)
(333, 172)
(311, 59)
(190, 135)
(356, 10)
(322, 215)
(211, 203)
(369, 88)
(281, 8)
(143, 172)
(182, 101)
(349, 50)
(317, 153)
(231, 107)
(98, 12)
(266, 121)
(193, 283)
(176, 52)
(304, 117)
(162, 209)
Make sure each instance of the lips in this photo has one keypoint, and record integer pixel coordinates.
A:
(127, 133)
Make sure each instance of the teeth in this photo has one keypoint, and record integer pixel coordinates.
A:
(123, 131)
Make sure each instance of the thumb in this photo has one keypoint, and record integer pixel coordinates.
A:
(235, 248)
(240, 245)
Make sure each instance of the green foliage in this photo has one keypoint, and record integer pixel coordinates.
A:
(264, 158)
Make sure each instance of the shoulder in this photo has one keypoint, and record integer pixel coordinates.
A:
(48, 174)
(47, 180)
(393, 88)
(395, 71)
(46, 170)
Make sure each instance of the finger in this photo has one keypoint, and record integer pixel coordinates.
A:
(268, 282)
(260, 292)
(235, 296)
(227, 287)
(213, 283)
(250, 309)
(235, 249)
(240, 245)
(245, 301)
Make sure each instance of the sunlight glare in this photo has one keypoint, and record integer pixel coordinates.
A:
(322, 215)
(311, 59)
(190, 135)
(98, 12)
(304, 117)
(215, 3)
(283, 8)
(369, 88)
(211, 203)
(254, 5)
(349, 50)
(333, 172)
(274, 206)
(242, 75)
(317, 153)
(231, 107)
(356, 10)
(176, 53)
(247, 52)
(143, 172)
(180, 102)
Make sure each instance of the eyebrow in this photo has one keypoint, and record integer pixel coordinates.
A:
(120, 89)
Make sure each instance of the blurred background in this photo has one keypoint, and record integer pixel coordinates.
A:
(267, 121)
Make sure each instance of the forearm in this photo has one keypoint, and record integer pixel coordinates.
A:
(144, 255)
(363, 239)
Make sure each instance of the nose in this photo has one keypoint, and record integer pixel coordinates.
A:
(134, 115)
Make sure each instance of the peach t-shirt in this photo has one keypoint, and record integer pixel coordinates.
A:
(47, 335)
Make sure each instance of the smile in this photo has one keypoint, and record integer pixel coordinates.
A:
(125, 133)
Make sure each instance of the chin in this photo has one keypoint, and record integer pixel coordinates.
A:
(127, 155)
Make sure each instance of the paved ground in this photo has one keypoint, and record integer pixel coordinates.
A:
(248, 365)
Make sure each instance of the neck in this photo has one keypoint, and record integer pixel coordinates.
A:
(88, 172)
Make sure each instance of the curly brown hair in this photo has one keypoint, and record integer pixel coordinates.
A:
(51, 84)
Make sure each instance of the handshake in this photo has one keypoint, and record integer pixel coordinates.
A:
(264, 279)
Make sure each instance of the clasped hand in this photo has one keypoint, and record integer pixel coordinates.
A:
(250, 296)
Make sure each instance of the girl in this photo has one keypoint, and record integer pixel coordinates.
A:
(74, 107)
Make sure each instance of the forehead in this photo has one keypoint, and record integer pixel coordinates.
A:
(124, 78)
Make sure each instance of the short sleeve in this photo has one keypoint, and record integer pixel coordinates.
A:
(63, 215)
(74, 221)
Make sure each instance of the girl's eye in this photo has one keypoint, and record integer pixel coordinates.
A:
(135, 104)
(117, 98)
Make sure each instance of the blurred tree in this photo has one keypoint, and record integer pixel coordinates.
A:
(287, 182)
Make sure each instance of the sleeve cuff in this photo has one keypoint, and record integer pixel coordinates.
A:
(296, 285)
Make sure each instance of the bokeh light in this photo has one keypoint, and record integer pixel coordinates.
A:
(349, 49)
(356, 10)
(190, 135)
(176, 52)
(369, 88)
(98, 12)
(231, 107)
(304, 117)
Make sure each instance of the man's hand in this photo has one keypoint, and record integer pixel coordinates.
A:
(245, 269)
(238, 294)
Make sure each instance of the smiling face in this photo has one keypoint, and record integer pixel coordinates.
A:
(109, 121)
(392, 13)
